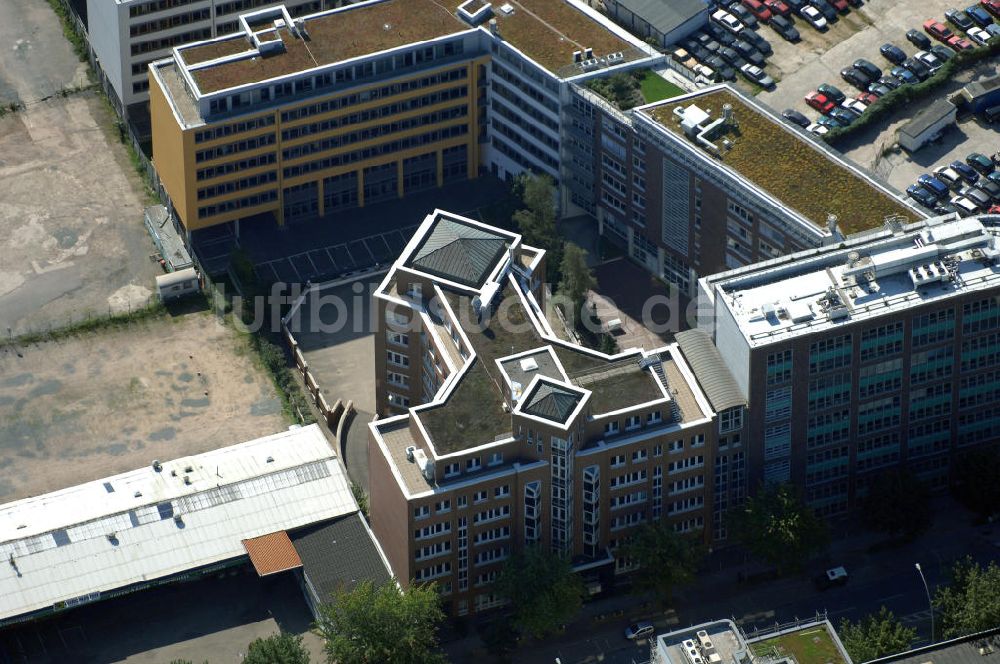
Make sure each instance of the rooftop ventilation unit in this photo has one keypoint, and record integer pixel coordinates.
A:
(157, 466)
(588, 53)
(426, 465)
(507, 9)
(474, 12)
(409, 453)
(590, 64)
(529, 364)
(615, 58)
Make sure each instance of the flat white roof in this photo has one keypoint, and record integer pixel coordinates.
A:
(861, 279)
(70, 546)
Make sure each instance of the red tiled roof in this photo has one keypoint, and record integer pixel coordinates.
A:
(272, 553)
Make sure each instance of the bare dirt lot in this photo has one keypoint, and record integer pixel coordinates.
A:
(86, 407)
(70, 217)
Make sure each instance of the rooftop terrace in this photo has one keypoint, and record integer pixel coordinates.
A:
(794, 170)
(547, 31)
(867, 278)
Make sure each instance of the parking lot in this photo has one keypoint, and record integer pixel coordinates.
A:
(210, 619)
(70, 215)
(87, 407)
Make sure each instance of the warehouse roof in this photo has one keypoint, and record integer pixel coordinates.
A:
(929, 117)
(663, 15)
(70, 546)
(339, 554)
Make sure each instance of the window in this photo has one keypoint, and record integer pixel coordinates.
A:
(831, 354)
(463, 502)
(397, 338)
(398, 401)
(433, 530)
(882, 341)
(633, 422)
(452, 469)
(479, 496)
(675, 446)
(731, 419)
(472, 465)
(611, 428)
(639, 456)
(501, 491)
(618, 460)
(778, 403)
(779, 367)
(496, 458)
(698, 440)
(657, 450)
(654, 417)
(398, 358)
(442, 506)
(421, 512)
(398, 379)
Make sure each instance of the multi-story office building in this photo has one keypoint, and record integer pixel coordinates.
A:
(878, 352)
(294, 118)
(494, 433)
(127, 35)
(713, 180)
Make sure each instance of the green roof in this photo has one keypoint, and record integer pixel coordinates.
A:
(459, 252)
(551, 402)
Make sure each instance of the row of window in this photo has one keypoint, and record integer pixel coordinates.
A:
(233, 128)
(238, 204)
(245, 145)
(237, 185)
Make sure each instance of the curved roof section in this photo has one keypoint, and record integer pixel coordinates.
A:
(459, 252)
(712, 373)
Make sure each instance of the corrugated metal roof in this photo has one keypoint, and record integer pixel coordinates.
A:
(72, 545)
(712, 373)
(459, 252)
(272, 553)
(666, 15)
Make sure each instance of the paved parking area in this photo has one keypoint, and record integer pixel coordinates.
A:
(212, 619)
(819, 57)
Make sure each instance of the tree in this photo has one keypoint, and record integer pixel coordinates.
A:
(666, 559)
(282, 648)
(373, 624)
(776, 526)
(898, 504)
(971, 603)
(542, 588)
(976, 481)
(577, 277)
(537, 219)
(875, 636)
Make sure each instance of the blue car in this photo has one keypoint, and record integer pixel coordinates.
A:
(904, 75)
(921, 195)
(933, 185)
(979, 15)
(967, 172)
(994, 176)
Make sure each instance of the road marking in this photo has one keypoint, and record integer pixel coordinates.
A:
(886, 599)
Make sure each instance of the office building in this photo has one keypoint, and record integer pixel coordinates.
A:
(127, 35)
(495, 434)
(281, 504)
(713, 180)
(297, 118)
(881, 351)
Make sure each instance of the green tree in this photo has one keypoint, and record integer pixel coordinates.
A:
(898, 504)
(283, 648)
(543, 590)
(537, 219)
(976, 482)
(971, 603)
(372, 624)
(875, 636)
(666, 559)
(577, 277)
(777, 527)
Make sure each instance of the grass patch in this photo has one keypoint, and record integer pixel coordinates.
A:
(813, 645)
(94, 324)
(656, 88)
(69, 29)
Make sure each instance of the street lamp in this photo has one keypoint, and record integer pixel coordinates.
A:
(929, 604)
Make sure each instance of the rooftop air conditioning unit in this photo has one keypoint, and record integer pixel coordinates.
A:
(409, 453)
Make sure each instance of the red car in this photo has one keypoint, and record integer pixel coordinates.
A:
(960, 43)
(779, 7)
(820, 102)
(992, 6)
(758, 9)
(937, 30)
(840, 5)
(867, 98)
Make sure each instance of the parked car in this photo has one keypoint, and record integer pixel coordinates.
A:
(980, 162)
(699, 52)
(758, 42)
(836, 576)
(855, 106)
(993, 177)
(960, 43)
(785, 29)
(760, 10)
(993, 29)
(757, 75)
(919, 69)
(813, 17)
(820, 102)
(840, 5)
(992, 6)
(707, 42)
(967, 172)
(867, 98)
(855, 77)
(842, 115)
(878, 89)
(929, 60)
(979, 36)
(828, 122)
(731, 56)
(942, 52)
(938, 30)
(721, 34)
(639, 630)
(796, 118)
(796, 5)
(778, 8)
(994, 209)
(933, 185)
(979, 16)
(868, 67)
(958, 18)
(904, 74)
(977, 196)
(744, 15)
(949, 176)
(991, 188)
(944, 207)
(918, 39)
(727, 21)
(965, 206)
(921, 195)
(826, 9)
(833, 92)
(892, 53)
(818, 129)
(748, 52)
